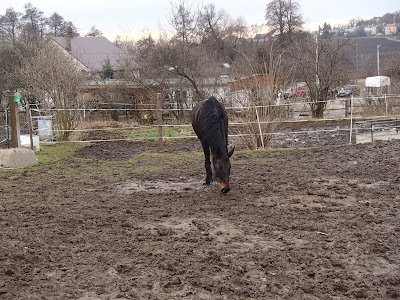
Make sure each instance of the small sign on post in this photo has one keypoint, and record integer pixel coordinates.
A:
(17, 98)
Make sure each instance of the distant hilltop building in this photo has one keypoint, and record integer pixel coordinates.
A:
(390, 29)
(350, 30)
(370, 30)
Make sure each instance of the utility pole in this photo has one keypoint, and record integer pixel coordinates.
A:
(357, 59)
(316, 64)
(377, 58)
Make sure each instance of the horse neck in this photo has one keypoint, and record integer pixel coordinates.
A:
(218, 143)
(219, 148)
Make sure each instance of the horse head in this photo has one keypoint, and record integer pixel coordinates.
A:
(222, 169)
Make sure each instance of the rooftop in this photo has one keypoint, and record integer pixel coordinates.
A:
(92, 52)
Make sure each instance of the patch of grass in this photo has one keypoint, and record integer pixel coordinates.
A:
(55, 163)
(151, 133)
(59, 166)
(50, 154)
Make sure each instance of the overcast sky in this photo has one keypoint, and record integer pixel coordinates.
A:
(129, 17)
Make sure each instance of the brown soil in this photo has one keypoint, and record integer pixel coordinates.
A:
(321, 223)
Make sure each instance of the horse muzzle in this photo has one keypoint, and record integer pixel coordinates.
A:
(225, 187)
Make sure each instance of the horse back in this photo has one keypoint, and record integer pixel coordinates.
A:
(208, 115)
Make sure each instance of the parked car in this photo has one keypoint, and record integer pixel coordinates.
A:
(296, 91)
(349, 90)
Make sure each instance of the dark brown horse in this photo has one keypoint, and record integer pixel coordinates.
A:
(210, 122)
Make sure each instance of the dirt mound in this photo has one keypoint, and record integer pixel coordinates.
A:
(125, 150)
(115, 151)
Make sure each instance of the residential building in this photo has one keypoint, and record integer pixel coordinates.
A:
(390, 29)
(91, 53)
(372, 30)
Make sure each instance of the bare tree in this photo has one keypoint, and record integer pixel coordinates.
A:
(20, 34)
(9, 63)
(57, 25)
(184, 21)
(213, 27)
(145, 46)
(34, 21)
(285, 17)
(257, 87)
(10, 24)
(181, 56)
(322, 64)
(53, 79)
(69, 24)
(172, 59)
(94, 32)
(392, 69)
(325, 31)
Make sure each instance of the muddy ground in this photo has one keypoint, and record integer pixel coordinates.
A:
(131, 221)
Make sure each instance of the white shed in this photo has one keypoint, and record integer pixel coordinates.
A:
(377, 85)
(377, 81)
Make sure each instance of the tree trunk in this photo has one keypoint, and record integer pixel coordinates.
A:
(318, 110)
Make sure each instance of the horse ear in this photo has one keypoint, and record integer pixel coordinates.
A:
(231, 152)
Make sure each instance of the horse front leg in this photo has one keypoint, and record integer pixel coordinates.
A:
(207, 163)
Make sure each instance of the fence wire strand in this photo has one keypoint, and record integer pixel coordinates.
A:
(43, 112)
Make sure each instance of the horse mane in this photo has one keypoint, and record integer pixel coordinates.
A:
(215, 126)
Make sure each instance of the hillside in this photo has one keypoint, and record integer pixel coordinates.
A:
(365, 50)
(367, 46)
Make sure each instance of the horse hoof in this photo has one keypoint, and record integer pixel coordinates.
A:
(225, 190)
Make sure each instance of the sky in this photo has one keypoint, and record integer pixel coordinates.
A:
(129, 18)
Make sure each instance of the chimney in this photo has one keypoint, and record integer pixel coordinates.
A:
(68, 39)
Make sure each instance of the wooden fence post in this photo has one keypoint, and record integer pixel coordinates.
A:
(351, 118)
(259, 128)
(14, 120)
(159, 119)
(372, 132)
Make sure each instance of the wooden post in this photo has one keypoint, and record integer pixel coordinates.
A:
(259, 128)
(372, 132)
(346, 108)
(14, 120)
(351, 118)
(386, 105)
(159, 119)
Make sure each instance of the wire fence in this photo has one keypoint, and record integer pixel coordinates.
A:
(382, 111)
